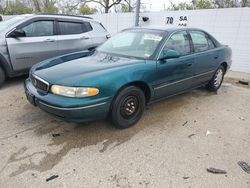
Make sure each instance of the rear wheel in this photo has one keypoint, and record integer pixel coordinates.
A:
(2, 76)
(128, 107)
(215, 83)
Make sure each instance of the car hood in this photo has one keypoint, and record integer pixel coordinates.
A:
(75, 71)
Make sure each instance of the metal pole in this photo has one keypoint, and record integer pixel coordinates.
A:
(137, 12)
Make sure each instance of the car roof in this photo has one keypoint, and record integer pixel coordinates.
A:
(166, 28)
(45, 15)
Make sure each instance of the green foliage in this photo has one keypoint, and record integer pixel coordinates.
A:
(17, 8)
(181, 6)
(85, 9)
(203, 4)
(125, 8)
(195, 4)
(51, 9)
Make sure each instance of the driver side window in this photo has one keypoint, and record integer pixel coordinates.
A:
(39, 29)
(178, 42)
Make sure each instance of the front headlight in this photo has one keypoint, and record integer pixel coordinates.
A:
(77, 92)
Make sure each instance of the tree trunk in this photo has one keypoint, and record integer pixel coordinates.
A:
(106, 9)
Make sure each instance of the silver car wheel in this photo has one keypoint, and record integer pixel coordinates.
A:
(218, 78)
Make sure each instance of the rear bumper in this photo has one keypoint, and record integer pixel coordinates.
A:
(90, 110)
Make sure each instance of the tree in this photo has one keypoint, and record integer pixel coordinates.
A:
(48, 6)
(85, 9)
(226, 3)
(181, 6)
(14, 8)
(106, 4)
(203, 4)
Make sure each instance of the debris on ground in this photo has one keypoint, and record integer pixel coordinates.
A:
(216, 171)
(244, 166)
(244, 82)
(186, 177)
(52, 177)
(191, 135)
(241, 118)
(56, 135)
(184, 123)
(208, 133)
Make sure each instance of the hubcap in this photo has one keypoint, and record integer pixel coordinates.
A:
(218, 78)
(129, 106)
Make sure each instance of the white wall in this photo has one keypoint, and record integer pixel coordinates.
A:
(229, 26)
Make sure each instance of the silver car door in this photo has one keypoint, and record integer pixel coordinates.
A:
(38, 44)
(72, 37)
(98, 34)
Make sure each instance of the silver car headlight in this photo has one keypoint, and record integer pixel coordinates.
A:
(77, 92)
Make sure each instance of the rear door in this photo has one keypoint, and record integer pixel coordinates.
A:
(206, 57)
(39, 43)
(98, 34)
(73, 36)
(175, 75)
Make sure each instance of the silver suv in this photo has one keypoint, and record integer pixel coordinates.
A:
(28, 39)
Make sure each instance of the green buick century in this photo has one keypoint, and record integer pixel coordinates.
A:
(134, 68)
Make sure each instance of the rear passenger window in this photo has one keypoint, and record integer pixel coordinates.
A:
(70, 28)
(87, 26)
(199, 40)
(210, 43)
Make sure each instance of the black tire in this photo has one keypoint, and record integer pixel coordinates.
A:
(2, 76)
(127, 107)
(214, 84)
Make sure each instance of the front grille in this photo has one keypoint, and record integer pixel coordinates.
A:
(39, 83)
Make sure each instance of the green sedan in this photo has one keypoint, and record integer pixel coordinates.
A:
(134, 68)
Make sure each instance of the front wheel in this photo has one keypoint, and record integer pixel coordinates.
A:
(128, 107)
(215, 83)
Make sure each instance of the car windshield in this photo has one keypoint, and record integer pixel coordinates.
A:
(133, 43)
(5, 24)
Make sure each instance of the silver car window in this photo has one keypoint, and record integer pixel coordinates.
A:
(39, 29)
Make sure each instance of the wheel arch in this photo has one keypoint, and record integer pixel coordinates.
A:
(225, 65)
(142, 85)
(5, 65)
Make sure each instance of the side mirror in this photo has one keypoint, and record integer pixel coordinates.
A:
(17, 33)
(170, 54)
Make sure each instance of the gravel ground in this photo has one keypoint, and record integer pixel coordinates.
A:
(172, 146)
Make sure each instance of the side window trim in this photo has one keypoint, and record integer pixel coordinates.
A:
(28, 22)
(166, 40)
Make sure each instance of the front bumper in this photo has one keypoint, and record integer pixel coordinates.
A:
(68, 109)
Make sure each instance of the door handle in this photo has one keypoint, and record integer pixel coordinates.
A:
(49, 40)
(189, 64)
(84, 38)
(216, 57)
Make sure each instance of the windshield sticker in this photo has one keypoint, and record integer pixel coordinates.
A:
(152, 37)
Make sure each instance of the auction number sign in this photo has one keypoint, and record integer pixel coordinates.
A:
(182, 20)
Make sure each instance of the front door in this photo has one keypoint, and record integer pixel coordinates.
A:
(175, 75)
(38, 44)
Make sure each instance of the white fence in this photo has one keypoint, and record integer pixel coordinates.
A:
(229, 26)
